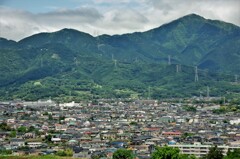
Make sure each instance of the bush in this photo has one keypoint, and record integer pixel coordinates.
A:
(5, 152)
(67, 152)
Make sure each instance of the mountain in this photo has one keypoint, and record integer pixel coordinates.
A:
(69, 64)
(187, 40)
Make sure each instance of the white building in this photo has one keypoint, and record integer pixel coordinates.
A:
(236, 121)
(200, 150)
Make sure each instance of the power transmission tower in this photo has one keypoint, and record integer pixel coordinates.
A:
(41, 62)
(169, 60)
(207, 92)
(96, 34)
(75, 61)
(149, 92)
(236, 78)
(200, 94)
(196, 74)
(115, 63)
(112, 57)
(136, 60)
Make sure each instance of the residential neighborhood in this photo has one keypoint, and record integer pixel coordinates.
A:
(105, 125)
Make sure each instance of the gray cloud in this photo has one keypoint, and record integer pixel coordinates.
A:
(215, 9)
(86, 15)
(129, 19)
(15, 24)
(113, 17)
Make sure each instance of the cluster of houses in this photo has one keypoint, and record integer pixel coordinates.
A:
(45, 127)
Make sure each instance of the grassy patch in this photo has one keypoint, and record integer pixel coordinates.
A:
(36, 157)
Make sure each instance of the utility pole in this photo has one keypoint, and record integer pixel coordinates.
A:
(177, 68)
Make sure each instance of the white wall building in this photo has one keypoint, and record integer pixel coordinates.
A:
(200, 150)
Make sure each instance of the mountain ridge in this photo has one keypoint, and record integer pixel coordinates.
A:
(191, 15)
(128, 62)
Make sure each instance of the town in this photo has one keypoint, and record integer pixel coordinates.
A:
(105, 125)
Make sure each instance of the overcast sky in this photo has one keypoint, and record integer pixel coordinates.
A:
(22, 18)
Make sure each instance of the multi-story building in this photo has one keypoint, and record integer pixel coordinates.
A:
(200, 150)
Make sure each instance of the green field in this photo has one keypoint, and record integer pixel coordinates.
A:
(36, 157)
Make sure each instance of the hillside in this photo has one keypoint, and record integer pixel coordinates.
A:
(69, 64)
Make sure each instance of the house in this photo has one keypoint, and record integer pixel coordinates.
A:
(29, 135)
(15, 143)
(171, 134)
(60, 127)
(81, 153)
(56, 140)
(3, 135)
(34, 144)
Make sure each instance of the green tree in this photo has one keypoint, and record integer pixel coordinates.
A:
(169, 153)
(214, 153)
(61, 118)
(235, 154)
(69, 152)
(186, 134)
(4, 127)
(98, 156)
(123, 154)
(13, 134)
(22, 129)
(133, 123)
(37, 132)
(31, 129)
(61, 153)
(50, 117)
(48, 138)
(166, 153)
